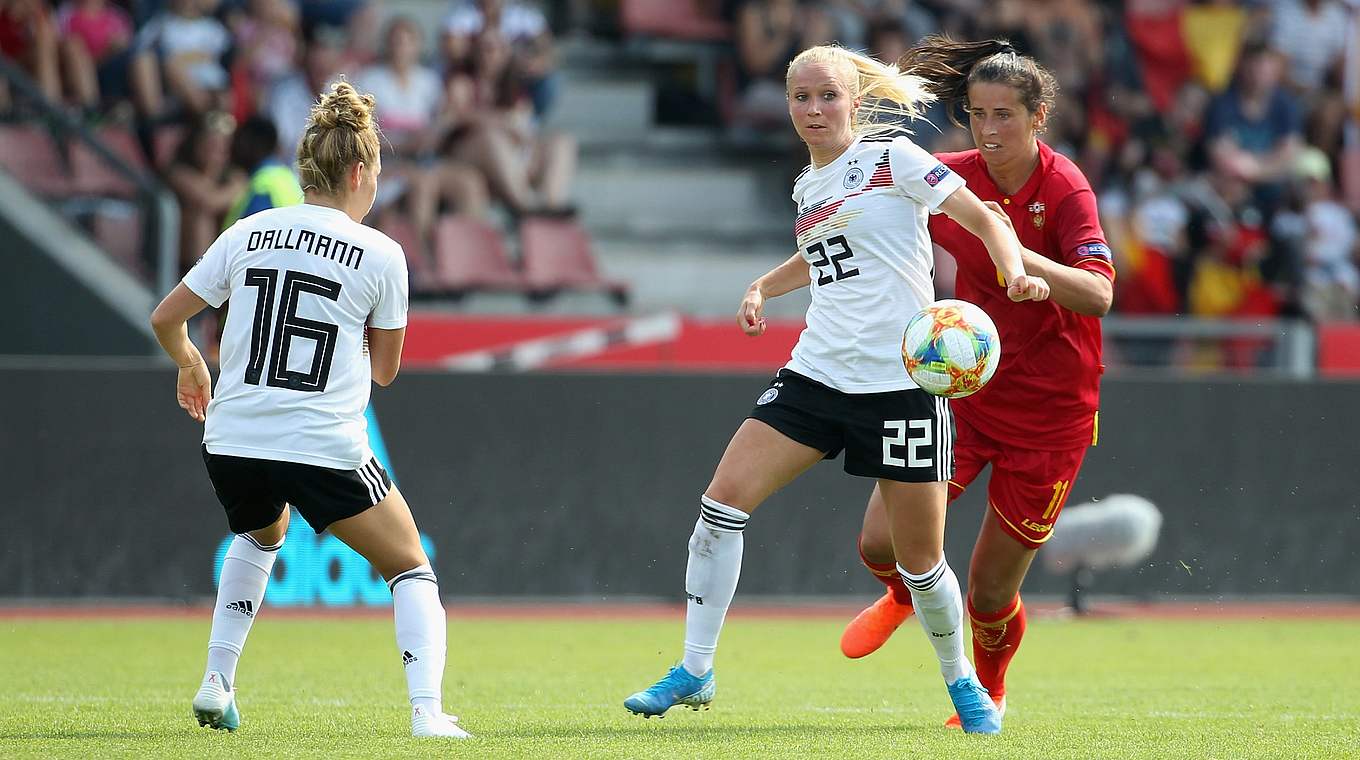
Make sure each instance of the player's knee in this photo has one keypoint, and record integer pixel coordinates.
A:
(395, 566)
(876, 548)
(989, 596)
(728, 492)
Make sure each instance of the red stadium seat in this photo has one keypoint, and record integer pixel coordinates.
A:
(400, 229)
(30, 154)
(120, 235)
(672, 19)
(557, 256)
(470, 254)
(94, 176)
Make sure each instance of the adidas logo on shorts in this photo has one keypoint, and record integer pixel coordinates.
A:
(407, 658)
(245, 607)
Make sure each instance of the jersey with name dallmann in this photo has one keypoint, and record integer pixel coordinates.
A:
(295, 379)
(862, 227)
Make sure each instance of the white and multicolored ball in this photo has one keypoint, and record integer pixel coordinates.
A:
(951, 348)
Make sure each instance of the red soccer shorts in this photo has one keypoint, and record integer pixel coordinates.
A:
(1027, 488)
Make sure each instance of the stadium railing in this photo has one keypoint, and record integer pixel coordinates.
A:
(160, 213)
(1285, 348)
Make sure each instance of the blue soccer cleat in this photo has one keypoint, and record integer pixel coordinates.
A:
(977, 713)
(677, 688)
(215, 704)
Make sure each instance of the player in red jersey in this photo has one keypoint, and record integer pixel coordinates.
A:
(1033, 422)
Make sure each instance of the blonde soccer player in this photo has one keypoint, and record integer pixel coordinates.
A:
(307, 284)
(865, 251)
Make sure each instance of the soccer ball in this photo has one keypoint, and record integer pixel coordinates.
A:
(951, 348)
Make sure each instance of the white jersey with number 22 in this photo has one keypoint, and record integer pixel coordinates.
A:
(862, 227)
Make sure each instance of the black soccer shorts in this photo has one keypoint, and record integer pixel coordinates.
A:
(254, 492)
(897, 435)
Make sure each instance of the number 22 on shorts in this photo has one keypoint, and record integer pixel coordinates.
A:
(898, 430)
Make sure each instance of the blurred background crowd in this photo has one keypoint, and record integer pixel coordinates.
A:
(1222, 137)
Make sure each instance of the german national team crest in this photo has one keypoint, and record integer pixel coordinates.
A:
(769, 395)
(1037, 209)
(853, 178)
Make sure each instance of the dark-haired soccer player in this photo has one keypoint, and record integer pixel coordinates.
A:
(1035, 419)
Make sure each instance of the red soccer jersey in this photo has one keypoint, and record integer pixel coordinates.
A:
(1046, 390)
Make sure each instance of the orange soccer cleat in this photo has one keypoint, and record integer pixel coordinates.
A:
(873, 627)
(1000, 702)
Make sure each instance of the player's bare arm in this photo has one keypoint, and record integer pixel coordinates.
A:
(384, 353)
(193, 390)
(1080, 290)
(965, 208)
(785, 278)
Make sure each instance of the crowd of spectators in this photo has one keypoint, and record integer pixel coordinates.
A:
(1216, 133)
(461, 109)
(1222, 136)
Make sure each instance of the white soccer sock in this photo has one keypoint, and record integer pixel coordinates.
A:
(422, 631)
(711, 579)
(245, 573)
(939, 605)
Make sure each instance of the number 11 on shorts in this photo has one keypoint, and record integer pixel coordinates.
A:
(1059, 496)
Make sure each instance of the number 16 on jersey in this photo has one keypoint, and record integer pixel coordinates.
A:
(275, 337)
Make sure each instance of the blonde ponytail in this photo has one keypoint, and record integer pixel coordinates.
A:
(888, 98)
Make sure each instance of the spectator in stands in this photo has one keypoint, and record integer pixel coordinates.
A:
(180, 53)
(204, 183)
(418, 118)
(1331, 283)
(531, 169)
(325, 55)
(1254, 129)
(856, 21)
(1311, 34)
(266, 35)
(769, 34)
(525, 29)
(95, 42)
(270, 183)
(28, 36)
(361, 21)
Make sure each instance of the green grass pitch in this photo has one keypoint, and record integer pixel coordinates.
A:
(1116, 688)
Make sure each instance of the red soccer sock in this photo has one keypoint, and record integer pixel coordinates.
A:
(996, 636)
(886, 573)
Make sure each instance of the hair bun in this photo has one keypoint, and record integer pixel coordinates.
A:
(344, 107)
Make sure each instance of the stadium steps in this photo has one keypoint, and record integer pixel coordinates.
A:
(70, 298)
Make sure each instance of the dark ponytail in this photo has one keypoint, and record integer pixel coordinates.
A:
(950, 66)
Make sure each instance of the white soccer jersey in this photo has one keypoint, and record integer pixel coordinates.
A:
(303, 282)
(862, 227)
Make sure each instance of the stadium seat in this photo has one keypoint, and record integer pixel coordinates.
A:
(671, 19)
(418, 264)
(30, 154)
(470, 254)
(118, 231)
(95, 176)
(557, 256)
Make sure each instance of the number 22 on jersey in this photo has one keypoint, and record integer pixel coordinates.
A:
(272, 338)
(819, 256)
